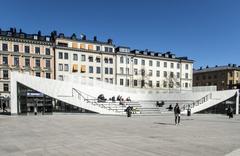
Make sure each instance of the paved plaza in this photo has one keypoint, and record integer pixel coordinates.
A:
(98, 135)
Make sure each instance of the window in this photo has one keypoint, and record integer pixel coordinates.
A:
(5, 74)
(75, 57)
(5, 47)
(158, 64)
(48, 63)
(5, 60)
(136, 61)
(111, 80)
(164, 84)
(110, 49)
(98, 70)
(110, 70)
(121, 70)
(106, 80)
(186, 75)
(37, 63)
(38, 74)
(60, 67)
(150, 83)
(150, 73)
(135, 71)
(90, 69)
(66, 67)
(106, 70)
(127, 82)
(90, 58)
(231, 74)
(60, 77)
(111, 60)
(27, 62)
(97, 48)
(121, 60)
(135, 83)
(47, 51)
(127, 60)
(165, 74)
(165, 64)
(157, 84)
(127, 71)
(178, 65)
(37, 50)
(143, 62)
(16, 61)
(186, 85)
(172, 65)
(5, 87)
(83, 58)
(186, 66)
(121, 82)
(150, 63)
(171, 74)
(106, 60)
(16, 48)
(66, 56)
(48, 75)
(98, 59)
(158, 73)
(60, 55)
(27, 49)
(178, 75)
(106, 49)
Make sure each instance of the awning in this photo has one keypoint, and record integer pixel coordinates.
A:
(83, 68)
(75, 68)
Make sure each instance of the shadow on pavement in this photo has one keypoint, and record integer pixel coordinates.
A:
(163, 123)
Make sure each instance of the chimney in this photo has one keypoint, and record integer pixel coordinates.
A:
(200, 68)
(216, 66)
(74, 36)
(207, 66)
(95, 38)
(39, 33)
(83, 37)
(109, 41)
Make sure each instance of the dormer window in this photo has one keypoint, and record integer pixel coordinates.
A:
(48, 39)
(35, 37)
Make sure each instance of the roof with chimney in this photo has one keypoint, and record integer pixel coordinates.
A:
(216, 68)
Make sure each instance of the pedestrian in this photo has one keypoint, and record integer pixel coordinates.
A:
(35, 109)
(4, 107)
(128, 110)
(177, 112)
(230, 112)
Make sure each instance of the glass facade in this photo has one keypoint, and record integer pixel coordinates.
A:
(31, 102)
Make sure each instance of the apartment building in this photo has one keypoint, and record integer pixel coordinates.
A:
(87, 58)
(26, 53)
(148, 69)
(224, 77)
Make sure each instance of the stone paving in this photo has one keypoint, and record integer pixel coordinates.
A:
(98, 135)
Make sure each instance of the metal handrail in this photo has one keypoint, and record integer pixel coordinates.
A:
(199, 102)
(93, 100)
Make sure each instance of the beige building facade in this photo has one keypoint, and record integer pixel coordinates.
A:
(224, 77)
(26, 53)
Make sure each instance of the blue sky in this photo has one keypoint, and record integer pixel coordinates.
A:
(207, 31)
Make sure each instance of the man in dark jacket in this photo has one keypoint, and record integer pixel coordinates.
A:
(177, 112)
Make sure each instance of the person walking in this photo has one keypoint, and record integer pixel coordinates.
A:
(230, 112)
(177, 112)
(128, 110)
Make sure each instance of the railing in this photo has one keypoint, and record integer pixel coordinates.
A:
(94, 101)
(197, 102)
